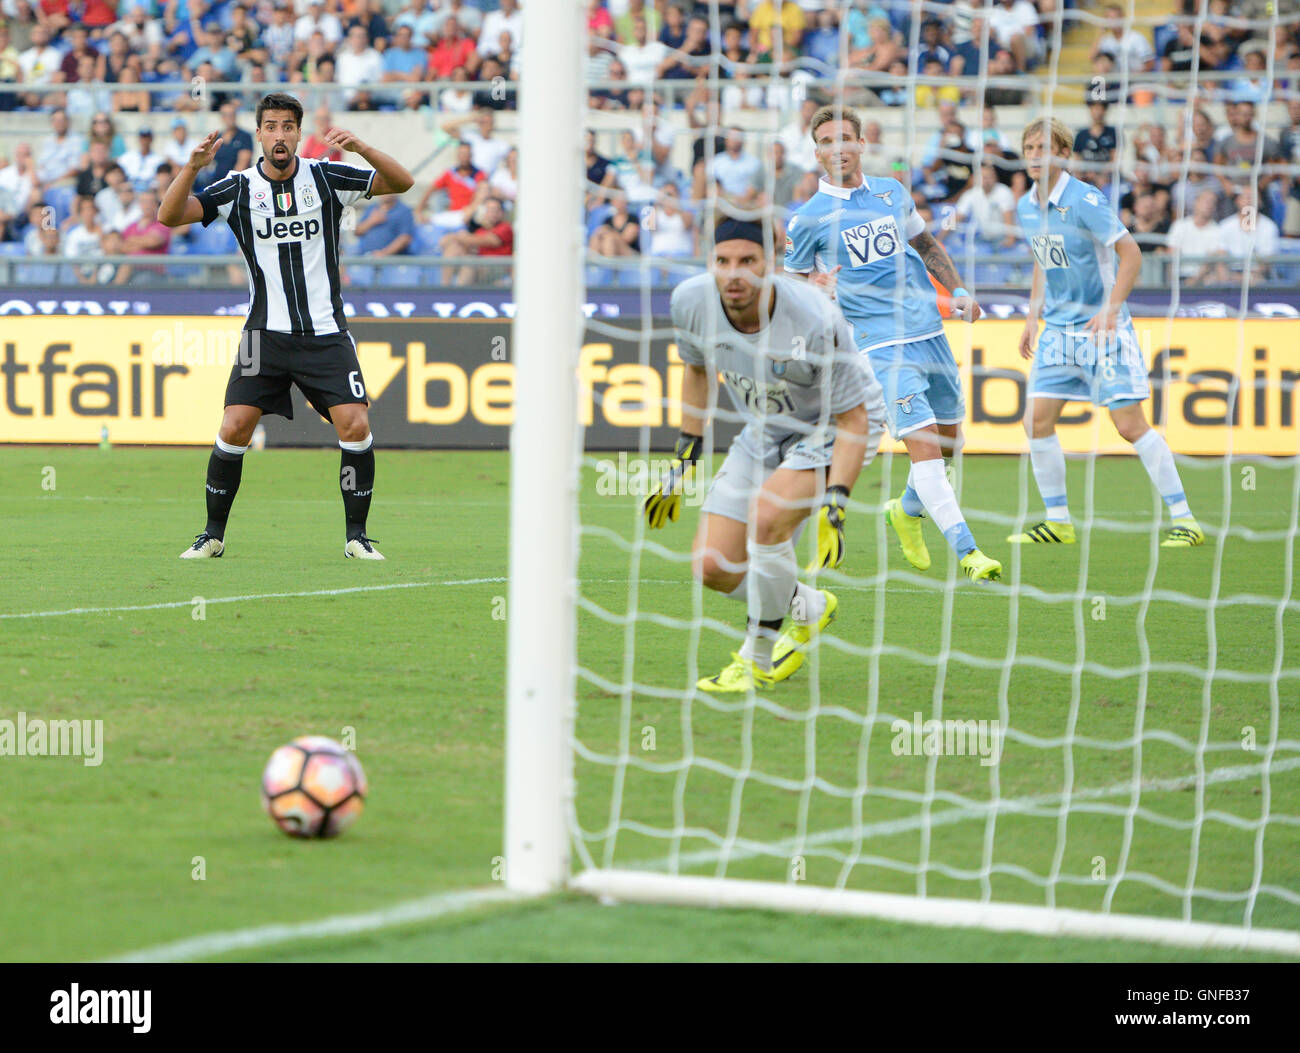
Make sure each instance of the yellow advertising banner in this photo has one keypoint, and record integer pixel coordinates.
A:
(1228, 386)
(146, 379)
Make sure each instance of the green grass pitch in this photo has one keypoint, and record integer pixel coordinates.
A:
(100, 861)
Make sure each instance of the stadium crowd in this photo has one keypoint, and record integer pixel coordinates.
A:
(86, 188)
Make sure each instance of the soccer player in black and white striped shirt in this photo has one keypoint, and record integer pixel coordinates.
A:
(285, 213)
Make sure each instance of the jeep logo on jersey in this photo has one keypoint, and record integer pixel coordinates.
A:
(869, 242)
(293, 229)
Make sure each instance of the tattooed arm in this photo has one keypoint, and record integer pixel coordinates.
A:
(936, 259)
(939, 263)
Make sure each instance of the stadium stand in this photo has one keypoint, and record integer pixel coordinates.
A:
(676, 101)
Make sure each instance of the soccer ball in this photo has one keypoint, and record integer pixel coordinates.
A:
(313, 787)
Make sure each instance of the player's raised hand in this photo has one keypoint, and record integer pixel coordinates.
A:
(826, 280)
(830, 529)
(203, 154)
(342, 139)
(665, 502)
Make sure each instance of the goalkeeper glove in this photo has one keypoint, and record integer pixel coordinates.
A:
(830, 529)
(665, 503)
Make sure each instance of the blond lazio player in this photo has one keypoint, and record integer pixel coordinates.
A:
(1088, 351)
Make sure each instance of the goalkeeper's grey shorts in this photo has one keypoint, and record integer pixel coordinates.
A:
(745, 468)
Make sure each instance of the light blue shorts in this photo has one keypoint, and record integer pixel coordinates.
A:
(921, 383)
(1070, 365)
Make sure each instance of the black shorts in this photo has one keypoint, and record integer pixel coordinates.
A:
(325, 368)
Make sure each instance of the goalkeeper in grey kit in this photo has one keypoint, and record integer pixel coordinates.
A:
(814, 415)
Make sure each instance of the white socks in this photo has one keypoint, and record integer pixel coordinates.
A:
(769, 589)
(758, 647)
(1049, 473)
(358, 447)
(936, 493)
(773, 575)
(940, 502)
(1158, 460)
(911, 500)
(807, 606)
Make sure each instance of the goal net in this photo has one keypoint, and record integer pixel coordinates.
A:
(1105, 742)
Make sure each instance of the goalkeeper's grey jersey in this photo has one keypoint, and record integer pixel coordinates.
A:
(789, 378)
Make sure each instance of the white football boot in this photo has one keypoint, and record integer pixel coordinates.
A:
(205, 547)
(361, 548)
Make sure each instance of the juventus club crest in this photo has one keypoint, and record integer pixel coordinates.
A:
(284, 200)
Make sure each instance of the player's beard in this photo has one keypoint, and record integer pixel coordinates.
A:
(740, 295)
(742, 298)
(280, 162)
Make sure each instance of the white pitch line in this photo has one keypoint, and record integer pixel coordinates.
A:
(256, 596)
(1005, 806)
(844, 586)
(341, 592)
(426, 908)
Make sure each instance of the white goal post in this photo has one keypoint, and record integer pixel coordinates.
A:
(543, 456)
(542, 833)
(690, 891)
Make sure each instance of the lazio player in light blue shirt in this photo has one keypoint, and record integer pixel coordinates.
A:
(1088, 351)
(862, 240)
